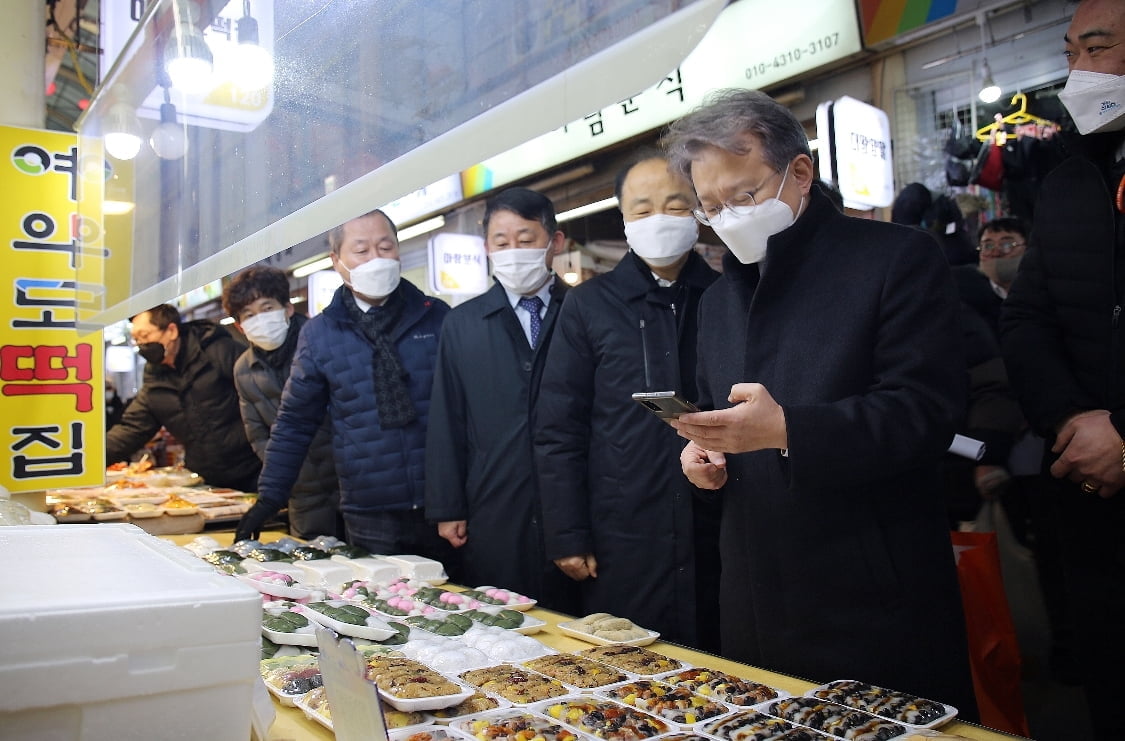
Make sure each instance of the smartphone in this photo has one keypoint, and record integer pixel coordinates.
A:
(665, 404)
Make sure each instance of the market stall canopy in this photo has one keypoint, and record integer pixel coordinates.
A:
(368, 101)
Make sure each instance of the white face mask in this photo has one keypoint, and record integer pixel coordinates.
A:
(1096, 101)
(521, 271)
(661, 239)
(376, 278)
(746, 229)
(267, 330)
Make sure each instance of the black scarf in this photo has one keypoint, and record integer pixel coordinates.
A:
(392, 396)
(281, 357)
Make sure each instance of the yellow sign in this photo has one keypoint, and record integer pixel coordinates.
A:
(52, 427)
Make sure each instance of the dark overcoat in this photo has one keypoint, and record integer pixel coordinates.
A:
(197, 402)
(315, 499)
(837, 561)
(379, 470)
(479, 465)
(609, 471)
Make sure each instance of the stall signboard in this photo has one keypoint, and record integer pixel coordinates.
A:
(223, 105)
(427, 200)
(750, 46)
(322, 286)
(458, 264)
(858, 155)
(51, 377)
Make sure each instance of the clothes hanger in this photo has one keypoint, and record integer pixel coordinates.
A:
(1016, 118)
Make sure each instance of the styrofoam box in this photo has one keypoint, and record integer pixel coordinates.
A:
(107, 632)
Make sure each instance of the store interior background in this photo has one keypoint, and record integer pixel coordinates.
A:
(925, 80)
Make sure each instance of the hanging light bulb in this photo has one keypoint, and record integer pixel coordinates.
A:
(168, 140)
(122, 132)
(252, 64)
(989, 90)
(187, 58)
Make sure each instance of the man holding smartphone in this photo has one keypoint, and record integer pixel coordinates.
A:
(618, 515)
(831, 362)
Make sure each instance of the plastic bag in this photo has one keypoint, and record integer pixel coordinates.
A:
(994, 654)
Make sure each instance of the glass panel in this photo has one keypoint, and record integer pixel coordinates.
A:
(370, 100)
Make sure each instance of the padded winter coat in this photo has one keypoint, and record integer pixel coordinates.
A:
(333, 374)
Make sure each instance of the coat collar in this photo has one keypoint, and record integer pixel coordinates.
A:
(417, 304)
(496, 298)
(636, 279)
(787, 247)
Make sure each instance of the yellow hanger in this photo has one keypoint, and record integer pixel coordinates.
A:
(1015, 118)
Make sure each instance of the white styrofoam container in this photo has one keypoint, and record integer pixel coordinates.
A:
(107, 632)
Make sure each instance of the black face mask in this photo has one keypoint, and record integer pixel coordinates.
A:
(152, 352)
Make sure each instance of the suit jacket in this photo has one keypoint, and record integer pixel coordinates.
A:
(479, 466)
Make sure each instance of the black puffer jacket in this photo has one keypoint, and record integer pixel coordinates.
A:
(315, 499)
(198, 404)
(1062, 336)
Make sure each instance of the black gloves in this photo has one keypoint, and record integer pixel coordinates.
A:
(250, 526)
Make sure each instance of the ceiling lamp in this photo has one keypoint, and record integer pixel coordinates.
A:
(989, 90)
(187, 58)
(122, 132)
(168, 140)
(252, 64)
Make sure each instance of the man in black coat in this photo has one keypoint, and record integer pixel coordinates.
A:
(189, 389)
(480, 477)
(830, 350)
(1064, 343)
(618, 515)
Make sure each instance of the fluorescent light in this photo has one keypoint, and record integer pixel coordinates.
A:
(227, 320)
(312, 267)
(589, 208)
(296, 299)
(116, 208)
(814, 144)
(423, 227)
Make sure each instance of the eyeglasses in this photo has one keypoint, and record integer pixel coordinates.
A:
(712, 215)
(1000, 248)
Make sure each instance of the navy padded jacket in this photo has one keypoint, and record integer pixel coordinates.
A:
(333, 374)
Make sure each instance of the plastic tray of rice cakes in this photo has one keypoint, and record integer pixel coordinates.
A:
(723, 687)
(677, 705)
(901, 707)
(835, 719)
(513, 725)
(577, 671)
(750, 725)
(604, 718)
(515, 684)
(686, 736)
(634, 659)
(411, 686)
(425, 733)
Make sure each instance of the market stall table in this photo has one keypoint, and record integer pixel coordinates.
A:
(292, 725)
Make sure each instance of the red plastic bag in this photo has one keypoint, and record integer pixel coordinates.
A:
(994, 653)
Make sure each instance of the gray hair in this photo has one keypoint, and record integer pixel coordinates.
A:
(724, 120)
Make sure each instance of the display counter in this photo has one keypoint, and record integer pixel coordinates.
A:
(292, 725)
